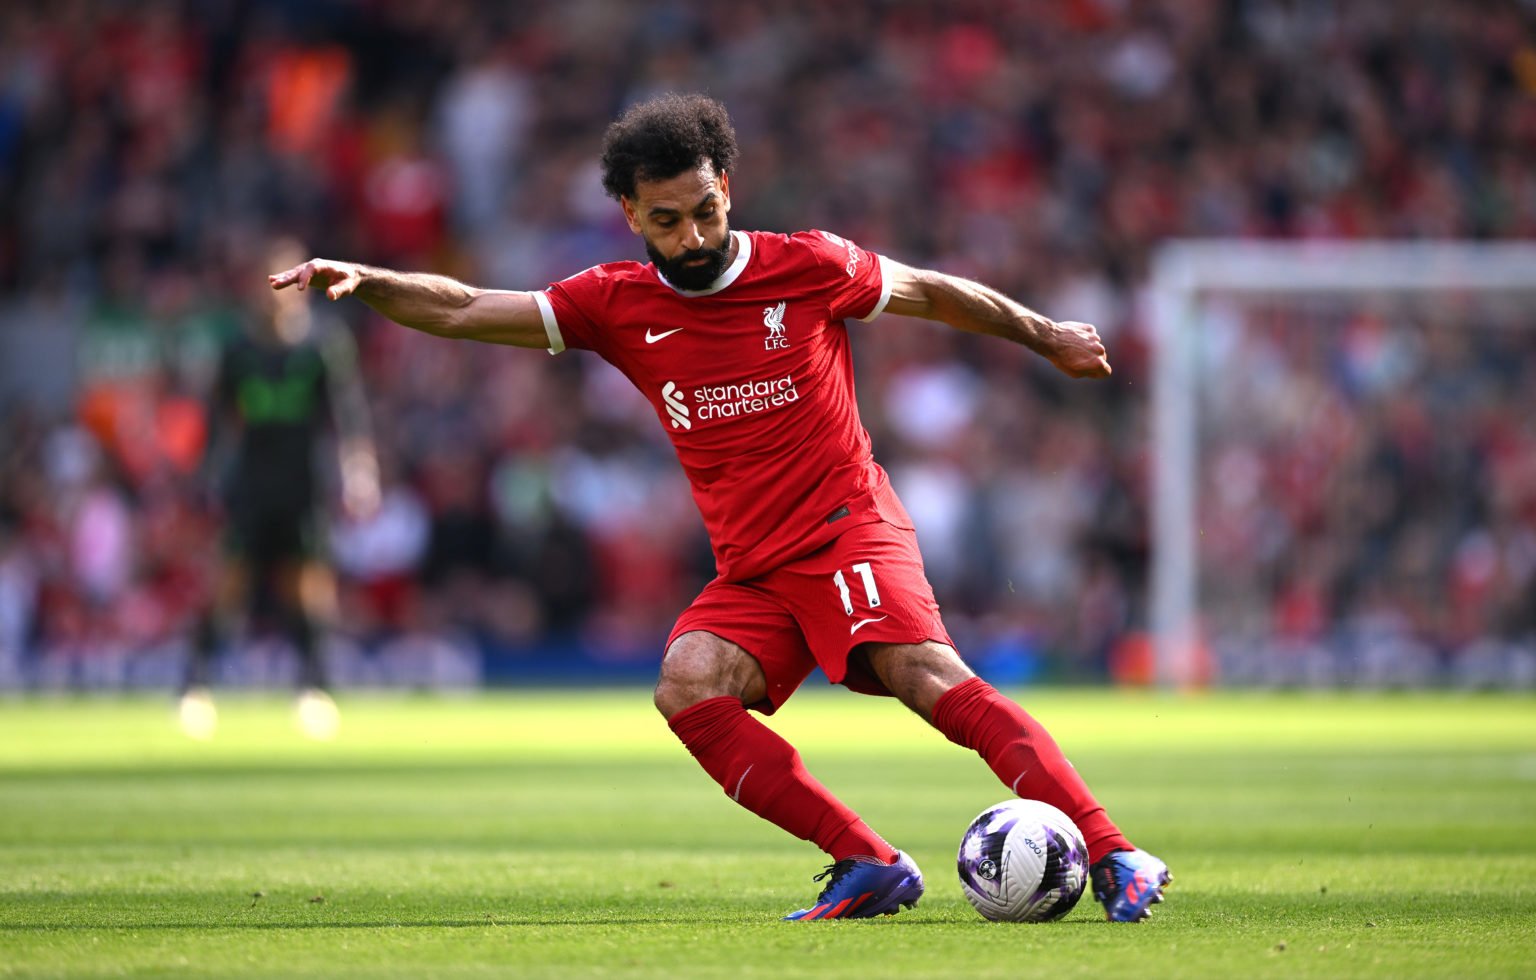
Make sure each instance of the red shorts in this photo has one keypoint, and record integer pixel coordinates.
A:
(865, 586)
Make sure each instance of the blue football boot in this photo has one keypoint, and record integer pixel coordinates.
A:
(863, 887)
(1129, 883)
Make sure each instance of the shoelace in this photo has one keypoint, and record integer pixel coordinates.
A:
(1105, 880)
(836, 872)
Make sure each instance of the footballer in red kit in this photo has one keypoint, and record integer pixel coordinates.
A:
(740, 341)
(752, 378)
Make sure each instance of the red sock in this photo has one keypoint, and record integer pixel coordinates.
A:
(1025, 758)
(763, 773)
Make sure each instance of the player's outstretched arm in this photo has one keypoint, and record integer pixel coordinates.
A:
(433, 304)
(1075, 348)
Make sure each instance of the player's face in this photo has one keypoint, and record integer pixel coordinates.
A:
(682, 221)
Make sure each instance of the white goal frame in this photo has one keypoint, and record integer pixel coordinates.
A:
(1184, 274)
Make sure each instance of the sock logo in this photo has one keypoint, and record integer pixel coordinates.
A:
(737, 794)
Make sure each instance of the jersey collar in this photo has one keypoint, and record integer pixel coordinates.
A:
(743, 254)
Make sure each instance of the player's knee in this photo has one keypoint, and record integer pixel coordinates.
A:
(315, 589)
(689, 674)
(699, 666)
(918, 674)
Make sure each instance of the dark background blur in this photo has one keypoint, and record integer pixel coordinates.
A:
(535, 523)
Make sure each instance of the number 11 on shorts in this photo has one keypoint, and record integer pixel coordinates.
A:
(871, 593)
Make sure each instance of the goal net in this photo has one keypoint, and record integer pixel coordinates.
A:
(1344, 463)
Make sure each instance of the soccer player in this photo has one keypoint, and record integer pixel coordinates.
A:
(740, 342)
(279, 391)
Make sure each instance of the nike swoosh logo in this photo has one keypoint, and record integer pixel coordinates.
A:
(863, 623)
(651, 338)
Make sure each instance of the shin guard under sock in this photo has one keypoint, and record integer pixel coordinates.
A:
(763, 773)
(1025, 757)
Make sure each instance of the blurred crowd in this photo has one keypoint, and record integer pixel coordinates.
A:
(1369, 489)
(533, 514)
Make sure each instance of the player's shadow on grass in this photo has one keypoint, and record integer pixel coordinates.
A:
(903, 922)
(120, 926)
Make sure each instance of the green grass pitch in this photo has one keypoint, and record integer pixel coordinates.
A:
(568, 834)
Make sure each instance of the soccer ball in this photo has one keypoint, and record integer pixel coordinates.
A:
(1023, 861)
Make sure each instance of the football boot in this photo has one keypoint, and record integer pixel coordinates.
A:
(863, 887)
(1129, 883)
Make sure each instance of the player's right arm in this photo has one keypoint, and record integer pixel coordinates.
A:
(433, 304)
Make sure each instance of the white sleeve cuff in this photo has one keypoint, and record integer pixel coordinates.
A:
(552, 327)
(885, 291)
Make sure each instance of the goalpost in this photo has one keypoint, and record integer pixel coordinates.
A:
(1194, 286)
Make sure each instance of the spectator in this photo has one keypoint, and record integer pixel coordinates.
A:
(1043, 147)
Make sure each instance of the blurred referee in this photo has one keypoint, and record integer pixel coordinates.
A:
(281, 389)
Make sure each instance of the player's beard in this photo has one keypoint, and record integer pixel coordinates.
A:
(679, 273)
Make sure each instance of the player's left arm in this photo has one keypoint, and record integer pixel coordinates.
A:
(1075, 348)
(357, 458)
(223, 425)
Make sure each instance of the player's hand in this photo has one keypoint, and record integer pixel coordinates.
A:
(360, 498)
(1079, 351)
(360, 490)
(338, 279)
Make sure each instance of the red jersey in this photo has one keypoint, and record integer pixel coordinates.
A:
(753, 380)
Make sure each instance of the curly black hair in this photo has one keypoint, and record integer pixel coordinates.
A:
(661, 138)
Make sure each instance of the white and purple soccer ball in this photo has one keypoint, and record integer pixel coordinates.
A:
(1023, 861)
